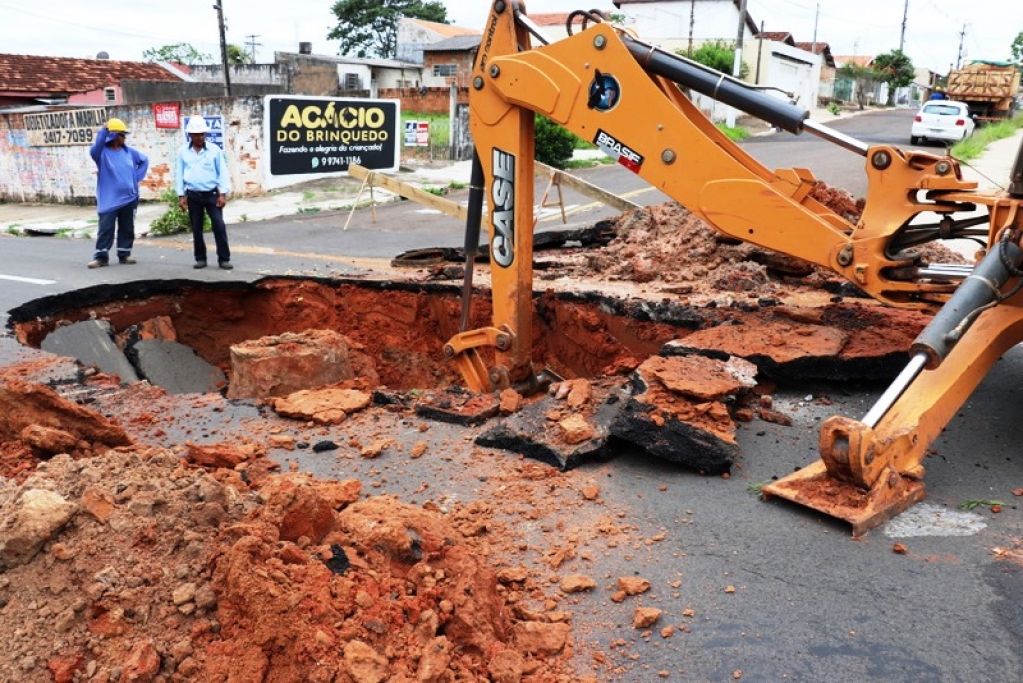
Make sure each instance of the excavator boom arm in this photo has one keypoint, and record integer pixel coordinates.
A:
(628, 99)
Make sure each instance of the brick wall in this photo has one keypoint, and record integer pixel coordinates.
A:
(432, 101)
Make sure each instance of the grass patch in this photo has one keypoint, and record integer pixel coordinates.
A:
(734, 133)
(309, 209)
(973, 146)
(971, 504)
(175, 220)
(588, 163)
(757, 488)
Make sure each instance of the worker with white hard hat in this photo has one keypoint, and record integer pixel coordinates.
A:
(202, 184)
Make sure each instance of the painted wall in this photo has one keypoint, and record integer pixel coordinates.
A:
(67, 174)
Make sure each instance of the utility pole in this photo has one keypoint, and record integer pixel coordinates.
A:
(223, 47)
(252, 48)
(959, 57)
(737, 64)
(815, 18)
(692, 23)
(902, 36)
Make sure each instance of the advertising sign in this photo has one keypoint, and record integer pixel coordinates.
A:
(417, 133)
(216, 132)
(67, 127)
(323, 135)
(167, 115)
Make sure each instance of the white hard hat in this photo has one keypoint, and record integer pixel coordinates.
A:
(197, 124)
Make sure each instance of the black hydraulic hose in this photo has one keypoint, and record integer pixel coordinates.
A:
(473, 221)
(976, 293)
(715, 84)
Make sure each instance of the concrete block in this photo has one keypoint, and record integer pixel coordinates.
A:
(176, 367)
(91, 342)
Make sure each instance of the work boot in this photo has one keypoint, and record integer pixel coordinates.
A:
(128, 260)
(96, 263)
(226, 265)
(199, 264)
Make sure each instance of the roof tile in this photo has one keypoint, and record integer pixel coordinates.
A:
(65, 75)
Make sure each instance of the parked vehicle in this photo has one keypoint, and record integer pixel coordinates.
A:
(944, 120)
(988, 88)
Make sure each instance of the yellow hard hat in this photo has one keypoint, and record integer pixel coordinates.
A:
(116, 126)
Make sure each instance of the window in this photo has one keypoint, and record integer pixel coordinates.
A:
(944, 109)
(445, 70)
(110, 94)
(352, 82)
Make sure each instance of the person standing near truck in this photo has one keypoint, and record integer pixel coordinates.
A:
(202, 184)
(120, 168)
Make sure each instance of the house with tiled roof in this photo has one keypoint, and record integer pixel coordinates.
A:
(413, 34)
(828, 69)
(34, 80)
(449, 62)
(772, 59)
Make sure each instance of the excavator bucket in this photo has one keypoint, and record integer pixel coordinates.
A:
(815, 488)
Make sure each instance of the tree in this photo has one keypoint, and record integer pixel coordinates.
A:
(1017, 49)
(182, 53)
(718, 55)
(237, 55)
(554, 144)
(369, 28)
(895, 69)
(863, 79)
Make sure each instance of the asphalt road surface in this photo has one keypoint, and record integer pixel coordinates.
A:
(810, 603)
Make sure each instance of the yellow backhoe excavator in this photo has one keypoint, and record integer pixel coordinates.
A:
(629, 98)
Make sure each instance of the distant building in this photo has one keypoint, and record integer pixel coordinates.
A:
(414, 34)
(32, 80)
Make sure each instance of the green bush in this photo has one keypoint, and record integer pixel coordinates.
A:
(554, 144)
(175, 221)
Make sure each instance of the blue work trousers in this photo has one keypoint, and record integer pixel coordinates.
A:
(124, 220)
(206, 202)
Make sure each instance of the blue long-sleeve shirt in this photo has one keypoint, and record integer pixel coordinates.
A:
(120, 172)
(202, 171)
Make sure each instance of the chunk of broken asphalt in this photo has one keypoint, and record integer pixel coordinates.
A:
(338, 562)
(533, 433)
(325, 445)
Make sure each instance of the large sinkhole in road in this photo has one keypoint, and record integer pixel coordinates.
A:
(670, 377)
(396, 330)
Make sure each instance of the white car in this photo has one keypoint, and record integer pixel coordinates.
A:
(945, 120)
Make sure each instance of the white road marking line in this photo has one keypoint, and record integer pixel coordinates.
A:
(27, 280)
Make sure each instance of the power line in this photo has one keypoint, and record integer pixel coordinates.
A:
(252, 45)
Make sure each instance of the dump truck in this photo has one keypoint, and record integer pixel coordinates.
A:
(988, 88)
(629, 98)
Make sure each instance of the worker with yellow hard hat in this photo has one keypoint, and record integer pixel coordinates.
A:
(120, 169)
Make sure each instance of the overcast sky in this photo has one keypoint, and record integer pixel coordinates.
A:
(73, 28)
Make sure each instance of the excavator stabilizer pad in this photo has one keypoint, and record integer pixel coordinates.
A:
(864, 509)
